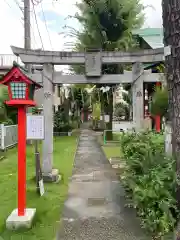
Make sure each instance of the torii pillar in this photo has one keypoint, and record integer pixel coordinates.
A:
(138, 95)
(49, 174)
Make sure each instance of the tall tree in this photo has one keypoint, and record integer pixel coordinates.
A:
(171, 24)
(107, 25)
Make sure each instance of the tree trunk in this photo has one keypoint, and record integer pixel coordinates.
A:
(171, 23)
(67, 108)
(86, 115)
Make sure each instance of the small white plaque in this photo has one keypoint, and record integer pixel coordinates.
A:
(41, 187)
(106, 118)
(167, 51)
(101, 117)
(35, 127)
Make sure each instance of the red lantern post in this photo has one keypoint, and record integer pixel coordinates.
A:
(21, 90)
(21, 160)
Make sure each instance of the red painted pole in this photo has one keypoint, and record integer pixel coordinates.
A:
(21, 160)
(158, 123)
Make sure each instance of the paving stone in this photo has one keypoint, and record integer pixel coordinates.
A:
(95, 207)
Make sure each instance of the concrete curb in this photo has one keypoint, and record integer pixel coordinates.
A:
(114, 166)
(120, 165)
(78, 139)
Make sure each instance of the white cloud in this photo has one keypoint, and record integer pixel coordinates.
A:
(153, 13)
(12, 32)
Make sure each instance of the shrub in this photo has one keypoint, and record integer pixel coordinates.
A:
(150, 179)
(61, 124)
(8, 122)
(159, 104)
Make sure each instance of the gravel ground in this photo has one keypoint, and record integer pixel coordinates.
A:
(94, 209)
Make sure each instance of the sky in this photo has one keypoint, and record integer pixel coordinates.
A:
(56, 14)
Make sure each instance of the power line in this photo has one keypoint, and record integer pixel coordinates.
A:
(12, 9)
(7, 3)
(36, 2)
(17, 3)
(46, 25)
(18, 6)
(37, 24)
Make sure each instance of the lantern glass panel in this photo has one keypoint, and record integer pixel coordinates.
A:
(18, 90)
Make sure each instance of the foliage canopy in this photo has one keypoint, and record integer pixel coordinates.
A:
(107, 25)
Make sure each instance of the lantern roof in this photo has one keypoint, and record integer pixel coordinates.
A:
(18, 71)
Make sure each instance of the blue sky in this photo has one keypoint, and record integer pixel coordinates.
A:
(55, 21)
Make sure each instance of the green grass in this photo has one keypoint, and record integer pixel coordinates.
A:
(49, 207)
(112, 151)
(117, 136)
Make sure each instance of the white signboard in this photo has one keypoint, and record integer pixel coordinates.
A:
(106, 118)
(35, 127)
(41, 187)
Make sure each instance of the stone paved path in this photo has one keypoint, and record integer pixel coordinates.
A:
(95, 208)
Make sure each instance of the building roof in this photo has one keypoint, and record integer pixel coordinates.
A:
(152, 36)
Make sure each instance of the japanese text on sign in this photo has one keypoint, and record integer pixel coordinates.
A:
(35, 127)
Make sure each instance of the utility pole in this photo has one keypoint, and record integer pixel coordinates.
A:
(27, 39)
(27, 29)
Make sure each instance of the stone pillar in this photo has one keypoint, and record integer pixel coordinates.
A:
(138, 95)
(49, 174)
(168, 139)
(56, 101)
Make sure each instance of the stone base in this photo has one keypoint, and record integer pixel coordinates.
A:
(15, 222)
(51, 177)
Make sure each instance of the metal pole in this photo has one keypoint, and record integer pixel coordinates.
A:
(105, 136)
(37, 165)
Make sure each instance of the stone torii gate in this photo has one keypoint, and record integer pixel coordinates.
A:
(93, 61)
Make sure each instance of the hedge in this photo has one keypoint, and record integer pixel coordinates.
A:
(150, 180)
